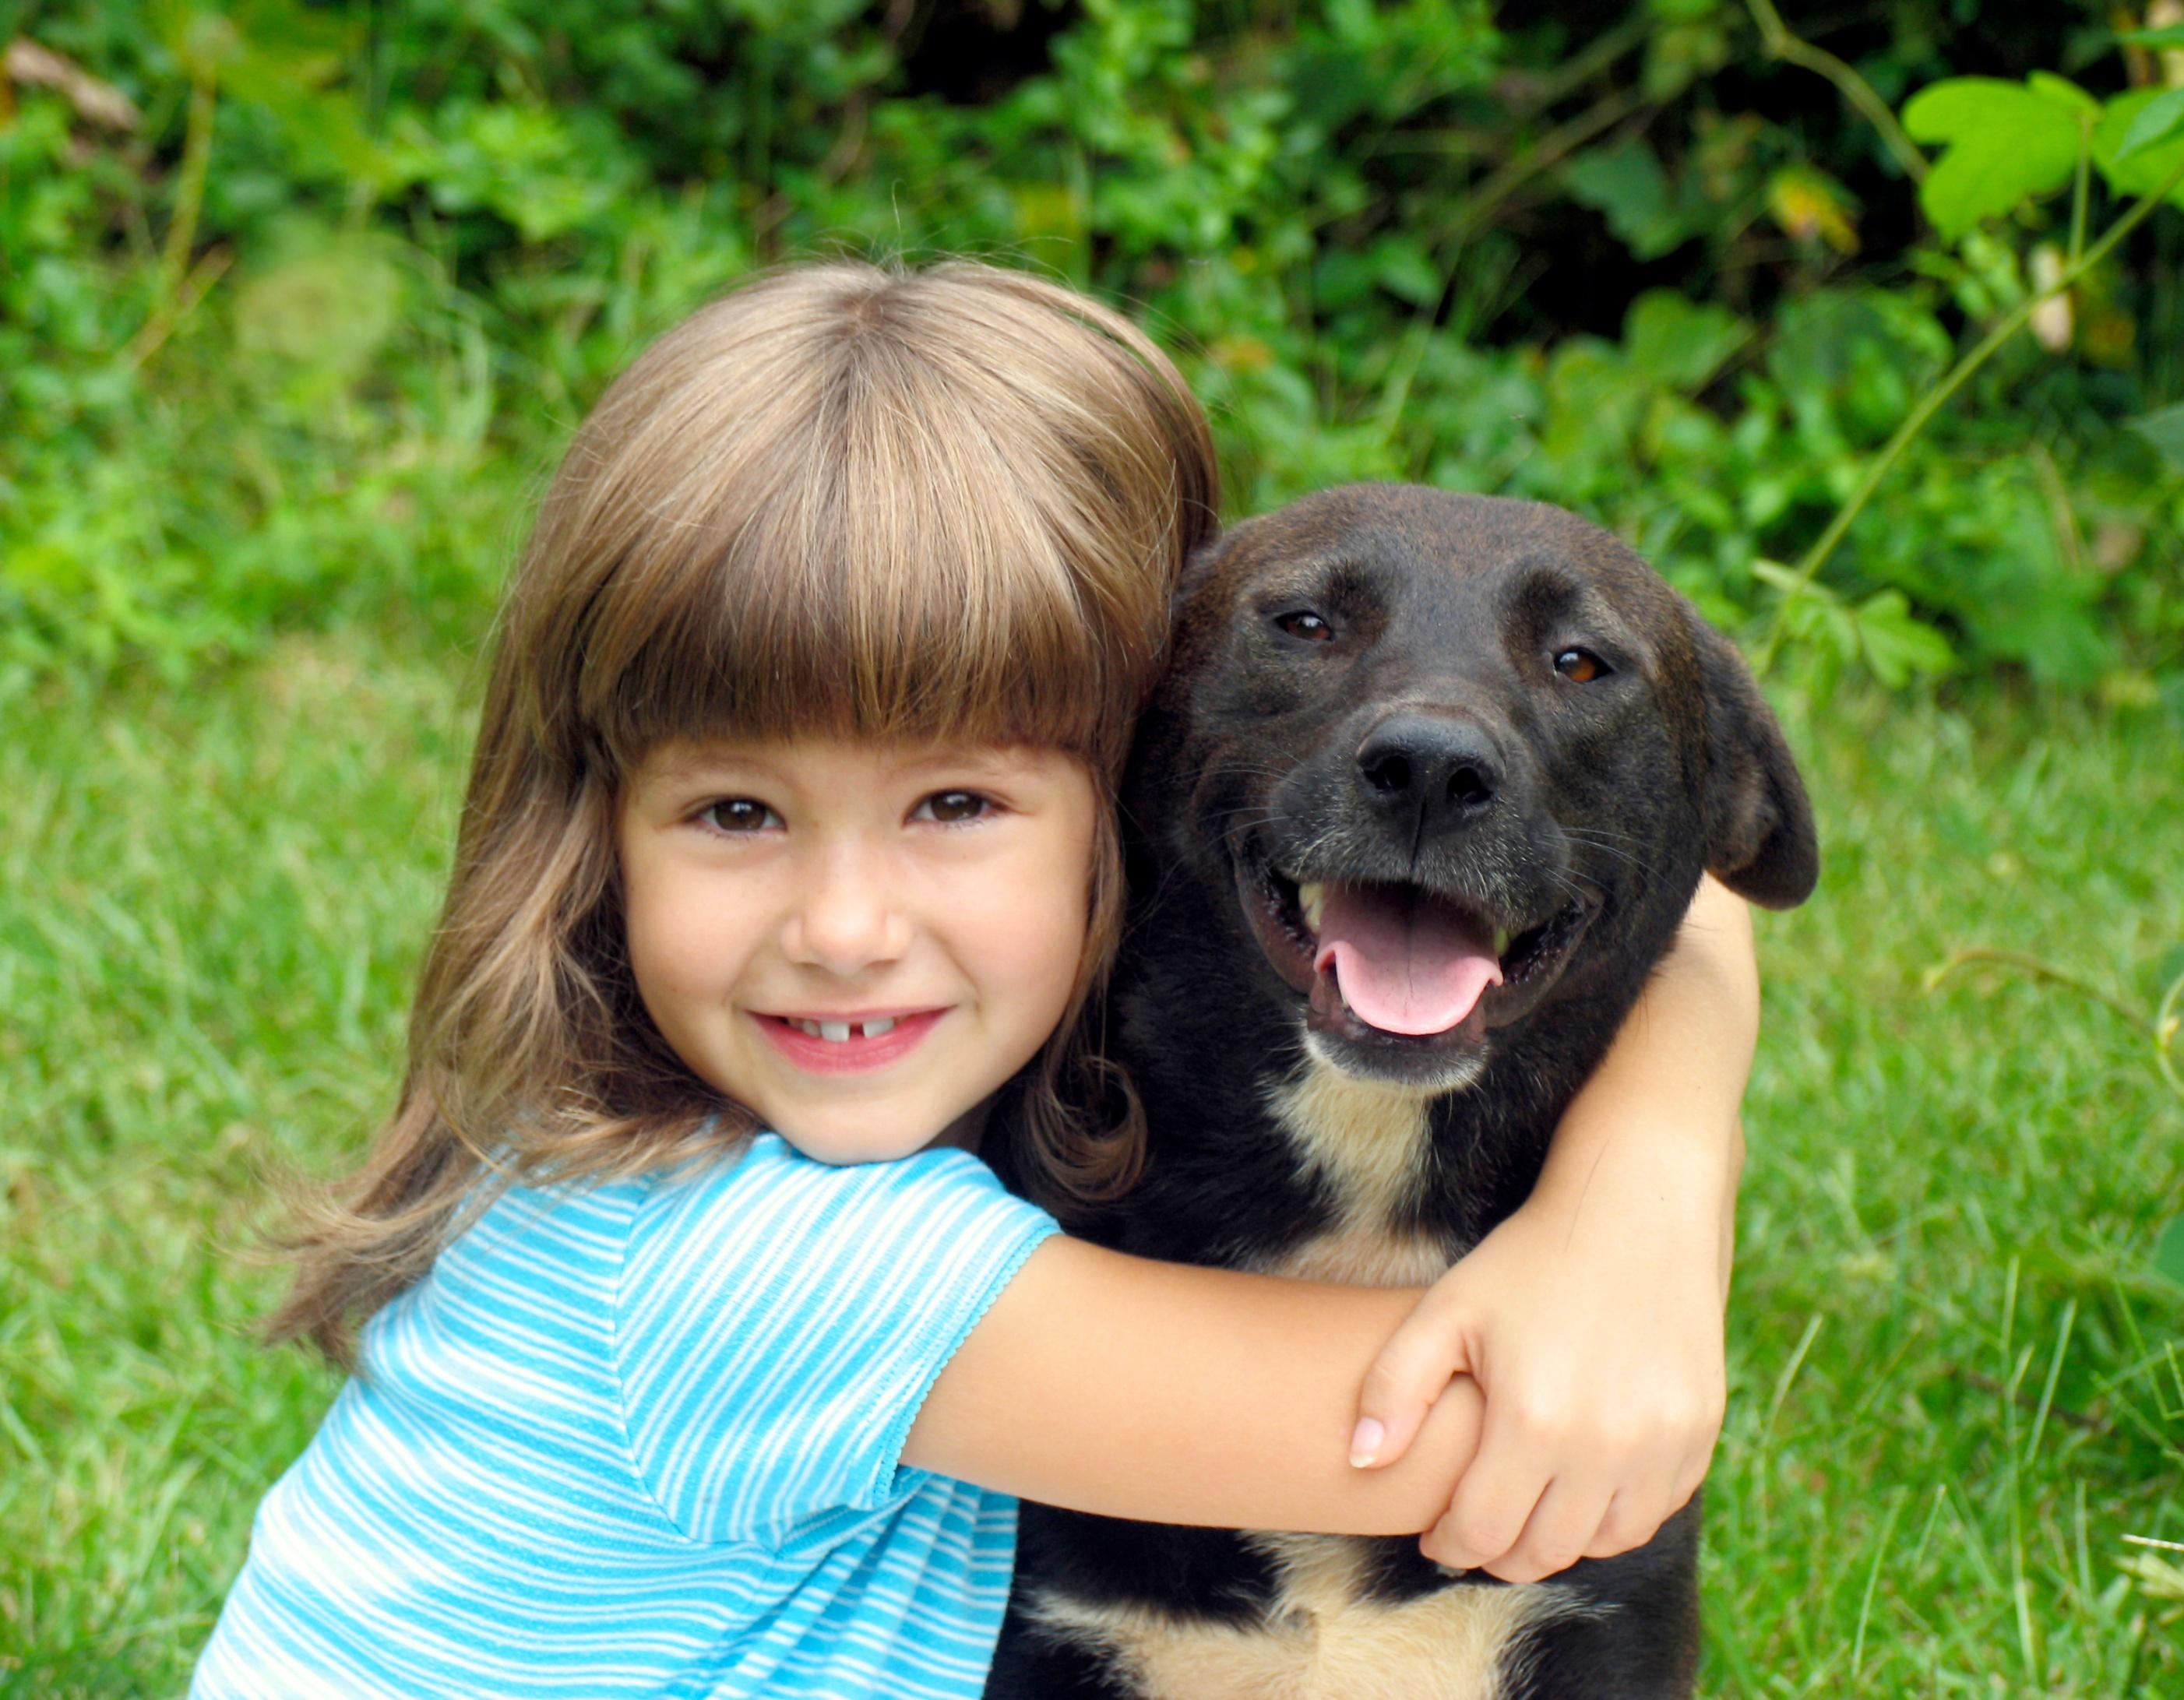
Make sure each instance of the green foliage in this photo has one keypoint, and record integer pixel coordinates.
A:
(2005, 143)
(297, 349)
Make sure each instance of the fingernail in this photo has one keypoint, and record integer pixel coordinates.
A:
(1365, 1440)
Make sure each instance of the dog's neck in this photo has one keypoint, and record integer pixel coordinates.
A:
(1263, 1155)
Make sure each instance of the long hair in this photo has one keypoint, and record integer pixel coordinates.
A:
(844, 499)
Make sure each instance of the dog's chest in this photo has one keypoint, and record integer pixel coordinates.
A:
(1324, 1636)
(1364, 1151)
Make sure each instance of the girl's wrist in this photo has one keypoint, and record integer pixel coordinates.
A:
(1672, 1175)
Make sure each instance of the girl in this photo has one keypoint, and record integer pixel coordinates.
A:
(700, 1354)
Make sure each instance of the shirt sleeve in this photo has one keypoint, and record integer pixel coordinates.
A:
(780, 1320)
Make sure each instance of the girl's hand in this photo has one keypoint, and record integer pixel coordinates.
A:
(1593, 1316)
(1592, 1321)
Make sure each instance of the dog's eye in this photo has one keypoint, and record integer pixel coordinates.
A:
(1306, 625)
(1581, 667)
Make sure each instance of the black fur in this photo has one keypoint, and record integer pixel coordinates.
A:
(1607, 796)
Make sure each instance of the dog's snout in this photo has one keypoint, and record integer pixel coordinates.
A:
(1442, 773)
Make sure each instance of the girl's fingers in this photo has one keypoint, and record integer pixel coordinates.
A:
(1636, 1512)
(1631, 1520)
(1689, 1475)
(1494, 1498)
(1408, 1376)
(1558, 1531)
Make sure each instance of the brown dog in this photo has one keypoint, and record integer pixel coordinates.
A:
(1421, 803)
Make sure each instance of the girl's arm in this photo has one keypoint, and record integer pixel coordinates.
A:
(1591, 1319)
(1174, 1394)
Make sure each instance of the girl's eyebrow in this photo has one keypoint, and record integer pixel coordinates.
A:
(700, 764)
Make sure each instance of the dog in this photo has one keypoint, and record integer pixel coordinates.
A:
(1420, 804)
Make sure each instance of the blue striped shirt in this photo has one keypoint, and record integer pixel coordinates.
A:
(644, 1439)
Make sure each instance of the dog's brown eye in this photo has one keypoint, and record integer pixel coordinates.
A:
(1581, 667)
(1306, 625)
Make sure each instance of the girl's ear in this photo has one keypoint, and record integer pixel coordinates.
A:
(1760, 837)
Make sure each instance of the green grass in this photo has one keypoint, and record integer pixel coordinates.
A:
(1956, 1387)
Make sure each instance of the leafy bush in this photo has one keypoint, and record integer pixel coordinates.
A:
(295, 344)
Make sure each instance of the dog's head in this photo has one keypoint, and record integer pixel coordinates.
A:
(1452, 759)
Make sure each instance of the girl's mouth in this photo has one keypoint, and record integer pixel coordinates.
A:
(828, 1045)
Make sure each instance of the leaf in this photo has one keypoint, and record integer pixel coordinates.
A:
(1895, 645)
(1402, 267)
(2170, 37)
(2142, 172)
(2164, 430)
(1627, 187)
(1679, 344)
(2158, 120)
(2007, 143)
(2168, 1250)
(2063, 92)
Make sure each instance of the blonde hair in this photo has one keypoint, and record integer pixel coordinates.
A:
(844, 499)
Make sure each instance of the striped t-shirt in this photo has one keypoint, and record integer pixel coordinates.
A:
(642, 1438)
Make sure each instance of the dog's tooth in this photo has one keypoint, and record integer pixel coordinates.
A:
(873, 1029)
(1501, 941)
(836, 1030)
(1312, 900)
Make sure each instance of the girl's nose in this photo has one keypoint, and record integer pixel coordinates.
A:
(847, 919)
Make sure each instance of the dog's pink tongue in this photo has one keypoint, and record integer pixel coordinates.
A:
(1405, 962)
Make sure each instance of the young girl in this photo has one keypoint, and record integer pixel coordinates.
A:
(699, 1353)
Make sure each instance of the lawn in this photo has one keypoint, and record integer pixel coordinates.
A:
(1955, 1381)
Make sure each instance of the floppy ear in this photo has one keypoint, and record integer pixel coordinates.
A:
(1759, 838)
(1199, 567)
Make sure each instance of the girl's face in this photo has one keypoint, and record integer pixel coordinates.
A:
(859, 942)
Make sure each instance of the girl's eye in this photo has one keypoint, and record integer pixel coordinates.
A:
(1581, 667)
(738, 815)
(952, 807)
(1306, 625)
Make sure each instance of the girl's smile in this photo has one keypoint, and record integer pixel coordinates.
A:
(850, 1042)
(861, 943)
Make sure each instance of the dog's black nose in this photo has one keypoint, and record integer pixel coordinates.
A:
(1443, 774)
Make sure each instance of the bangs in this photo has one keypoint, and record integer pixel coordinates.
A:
(877, 554)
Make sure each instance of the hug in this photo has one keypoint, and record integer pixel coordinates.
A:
(1017, 1095)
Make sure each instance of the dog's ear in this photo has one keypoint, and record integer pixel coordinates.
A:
(1759, 838)
(1198, 565)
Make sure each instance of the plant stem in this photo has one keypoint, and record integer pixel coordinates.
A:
(2165, 1024)
(1550, 150)
(171, 297)
(1931, 402)
(2033, 965)
(1782, 45)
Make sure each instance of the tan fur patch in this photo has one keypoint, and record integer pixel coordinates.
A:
(1367, 1146)
(1322, 1642)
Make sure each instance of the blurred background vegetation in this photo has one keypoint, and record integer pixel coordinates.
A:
(298, 299)
(298, 302)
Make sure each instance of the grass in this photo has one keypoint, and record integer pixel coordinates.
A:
(1957, 1386)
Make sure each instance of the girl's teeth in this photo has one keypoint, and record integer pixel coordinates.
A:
(838, 1032)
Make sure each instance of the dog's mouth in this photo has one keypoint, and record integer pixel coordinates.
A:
(1402, 969)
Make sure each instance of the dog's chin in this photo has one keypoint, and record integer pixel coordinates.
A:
(1531, 960)
(1429, 1064)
